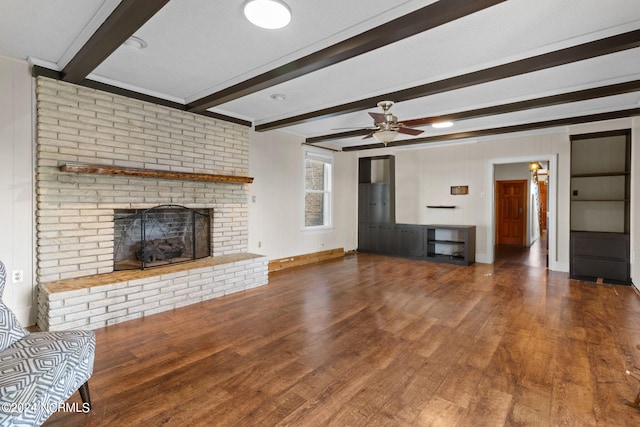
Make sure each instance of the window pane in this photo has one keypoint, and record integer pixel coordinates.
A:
(314, 175)
(314, 209)
(317, 187)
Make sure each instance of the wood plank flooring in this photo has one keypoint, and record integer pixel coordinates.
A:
(378, 341)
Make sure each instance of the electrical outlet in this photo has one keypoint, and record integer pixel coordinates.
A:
(260, 244)
(17, 276)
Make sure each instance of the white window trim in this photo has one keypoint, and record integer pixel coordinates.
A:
(311, 153)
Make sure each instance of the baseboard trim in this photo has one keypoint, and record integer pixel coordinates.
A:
(298, 260)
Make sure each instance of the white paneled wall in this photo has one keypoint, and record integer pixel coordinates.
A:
(17, 186)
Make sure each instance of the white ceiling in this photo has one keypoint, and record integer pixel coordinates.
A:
(198, 47)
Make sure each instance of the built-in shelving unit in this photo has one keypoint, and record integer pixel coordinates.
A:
(454, 244)
(376, 199)
(378, 232)
(600, 206)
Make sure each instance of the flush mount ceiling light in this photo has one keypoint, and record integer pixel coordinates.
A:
(269, 14)
(135, 42)
(279, 97)
(442, 125)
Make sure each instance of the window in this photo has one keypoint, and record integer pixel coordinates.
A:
(317, 189)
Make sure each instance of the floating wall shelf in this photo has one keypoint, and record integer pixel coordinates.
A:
(152, 173)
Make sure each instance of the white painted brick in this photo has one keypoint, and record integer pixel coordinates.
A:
(107, 316)
(158, 297)
(141, 295)
(107, 301)
(124, 318)
(143, 308)
(156, 310)
(69, 309)
(124, 290)
(83, 299)
(122, 305)
(85, 315)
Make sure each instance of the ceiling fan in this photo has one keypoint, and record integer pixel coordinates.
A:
(386, 125)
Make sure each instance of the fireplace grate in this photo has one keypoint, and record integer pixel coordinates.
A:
(164, 234)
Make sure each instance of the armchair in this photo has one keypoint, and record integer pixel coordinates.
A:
(39, 371)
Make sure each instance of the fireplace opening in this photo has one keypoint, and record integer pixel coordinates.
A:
(165, 234)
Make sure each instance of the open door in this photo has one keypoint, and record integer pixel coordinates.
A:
(511, 212)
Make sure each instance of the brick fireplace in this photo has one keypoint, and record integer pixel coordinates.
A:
(75, 211)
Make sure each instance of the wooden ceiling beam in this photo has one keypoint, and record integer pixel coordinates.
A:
(426, 18)
(503, 130)
(123, 22)
(556, 58)
(546, 101)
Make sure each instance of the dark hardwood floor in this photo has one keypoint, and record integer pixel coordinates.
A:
(378, 341)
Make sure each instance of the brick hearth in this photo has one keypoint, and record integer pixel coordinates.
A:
(105, 299)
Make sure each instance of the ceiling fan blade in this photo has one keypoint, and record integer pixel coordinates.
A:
(409, 131)
(362, 128)
(378, 117)
(370, 134)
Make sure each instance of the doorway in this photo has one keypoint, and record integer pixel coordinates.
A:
(538, 211)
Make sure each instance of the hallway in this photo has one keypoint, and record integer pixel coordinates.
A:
(534, 256)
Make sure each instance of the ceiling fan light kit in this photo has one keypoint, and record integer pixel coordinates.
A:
(385, 136)
(269, 14)
(386, 125)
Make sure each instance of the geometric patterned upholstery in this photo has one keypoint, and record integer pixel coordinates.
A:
(41, 371)
(10, 329)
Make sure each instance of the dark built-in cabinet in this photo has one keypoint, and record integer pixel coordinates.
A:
(455, 244)
(375, 203)
(378, 233)
(600, 207)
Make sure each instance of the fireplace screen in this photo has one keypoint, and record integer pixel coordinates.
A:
(159, 236)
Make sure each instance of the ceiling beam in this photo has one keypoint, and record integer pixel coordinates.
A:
(505, 129)
(426, 18)
(546, 101)
(123, 22)
(556, 58)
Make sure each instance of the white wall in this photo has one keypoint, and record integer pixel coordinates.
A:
(276, 199)
(16, 185)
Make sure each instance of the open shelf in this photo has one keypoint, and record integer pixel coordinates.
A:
(600, 207)
(454, 244)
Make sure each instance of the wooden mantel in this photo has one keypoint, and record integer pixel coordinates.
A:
(152, 173)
